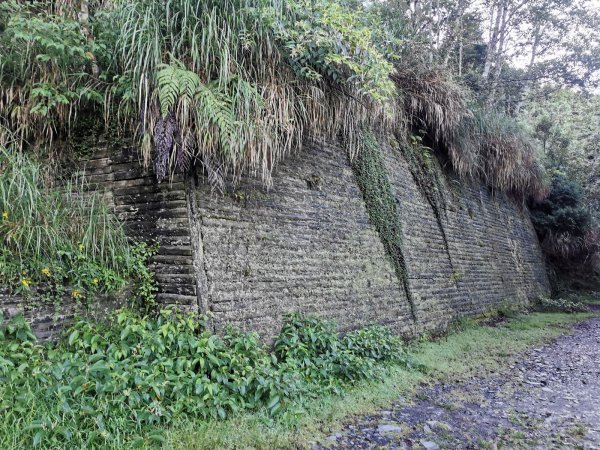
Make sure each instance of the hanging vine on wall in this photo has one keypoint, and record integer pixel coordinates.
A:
(428, 176)
(372, 178)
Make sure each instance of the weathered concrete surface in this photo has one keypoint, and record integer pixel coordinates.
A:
(306, 245)
(549, 400)
(252, 255)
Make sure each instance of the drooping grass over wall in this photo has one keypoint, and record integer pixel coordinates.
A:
(493, 147)
(234, 86)
(373, 180)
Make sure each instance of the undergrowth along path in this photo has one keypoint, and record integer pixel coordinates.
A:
(469, 352)
(548, 399)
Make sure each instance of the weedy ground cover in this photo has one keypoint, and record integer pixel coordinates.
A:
(164, 381)
(119, 384)
(472, 350)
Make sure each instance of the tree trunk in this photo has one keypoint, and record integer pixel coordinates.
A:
(455, 31)
(537, 34)
(498, 59)
(493, 41)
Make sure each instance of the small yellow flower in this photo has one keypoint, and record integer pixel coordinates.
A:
(75, 293)
(46, 271)
(81, 247)
(25, 282)
(95, 281)
(5, 215)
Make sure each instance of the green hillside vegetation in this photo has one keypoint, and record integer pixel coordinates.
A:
(235, 86)
(232, 87)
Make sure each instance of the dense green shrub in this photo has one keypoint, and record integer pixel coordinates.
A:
(314, 348)
(110, 384)
(563, 209)
(562, 219)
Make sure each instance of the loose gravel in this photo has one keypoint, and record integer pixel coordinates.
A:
(550, 399)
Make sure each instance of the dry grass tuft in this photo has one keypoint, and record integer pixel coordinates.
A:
(497, 149)
(480, 144)
(432, 101)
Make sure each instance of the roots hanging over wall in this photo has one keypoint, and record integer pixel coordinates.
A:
(373, 180)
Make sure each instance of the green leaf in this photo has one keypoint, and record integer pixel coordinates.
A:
(273, 401)
(37, 438)
(73, 337)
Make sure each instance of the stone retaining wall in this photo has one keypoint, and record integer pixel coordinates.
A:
(252, 255)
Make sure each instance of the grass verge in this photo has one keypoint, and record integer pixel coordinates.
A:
(473, 350)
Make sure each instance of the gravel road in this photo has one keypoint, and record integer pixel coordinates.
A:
(548, 400)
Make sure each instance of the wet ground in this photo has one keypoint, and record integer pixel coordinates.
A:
(548, 400)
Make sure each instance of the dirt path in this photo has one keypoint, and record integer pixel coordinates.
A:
(549, 400)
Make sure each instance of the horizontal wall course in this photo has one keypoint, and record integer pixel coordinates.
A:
(251, 255)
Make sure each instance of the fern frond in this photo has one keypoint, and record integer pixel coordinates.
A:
(168, 85)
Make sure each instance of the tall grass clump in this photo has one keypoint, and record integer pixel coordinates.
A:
(433, 102)
(496, 148)
(479, 143)
(231, 85)
(57, 233)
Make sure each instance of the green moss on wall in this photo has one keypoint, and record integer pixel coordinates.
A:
(428, 176)
(373, 180)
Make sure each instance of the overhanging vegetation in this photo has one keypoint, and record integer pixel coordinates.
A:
(236, 85)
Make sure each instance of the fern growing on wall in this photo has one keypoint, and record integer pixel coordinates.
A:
(241, 87)
(236, 85)
(219, 117)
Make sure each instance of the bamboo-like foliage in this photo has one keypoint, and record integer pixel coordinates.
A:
(43, 60)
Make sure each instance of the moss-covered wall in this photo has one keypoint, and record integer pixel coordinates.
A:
(491, 255)
(316, 243)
